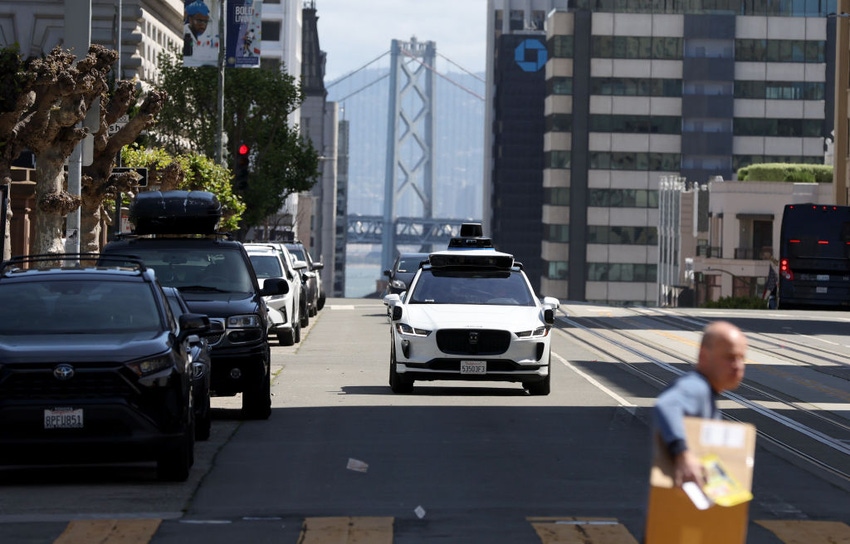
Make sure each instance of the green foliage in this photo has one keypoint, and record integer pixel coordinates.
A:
(200, 173)
(798, 173)
(12, 82)
(257, 105)
(740, 303)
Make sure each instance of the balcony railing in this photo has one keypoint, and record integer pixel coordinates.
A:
(753, 254)
(706, 251)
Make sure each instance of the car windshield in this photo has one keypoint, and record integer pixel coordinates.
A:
(79, 306)
(471, 287)
(213, 269)
(297, 253)
(266, 266)
(409, 264)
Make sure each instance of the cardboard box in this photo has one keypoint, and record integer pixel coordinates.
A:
(673, 517)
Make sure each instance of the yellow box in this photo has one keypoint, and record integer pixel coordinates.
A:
(673, 518)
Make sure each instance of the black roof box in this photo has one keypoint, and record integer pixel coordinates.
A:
(175, 212)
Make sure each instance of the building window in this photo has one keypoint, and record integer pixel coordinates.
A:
(606, 234)
(622, 272)
(637, 47)
(654, 162)
(749, 50)
(635, 86)
(557, 233)
(561, 46)
(795, 128)
(623, 198)
(556, 196)
(557, 270)
(559, 122)
(636, 124)
(270, 31)
(556, 159)
(781, 90)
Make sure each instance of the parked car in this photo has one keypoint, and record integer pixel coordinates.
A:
(199, 356)
(297, 269)
(402, 272)
(95, 366)
(315, 292)
(214, 276)
(269, 262)
(471, 314)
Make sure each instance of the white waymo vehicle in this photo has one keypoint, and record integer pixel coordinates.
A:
(471, 314)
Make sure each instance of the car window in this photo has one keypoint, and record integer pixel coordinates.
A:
(77, 306)
(266, 266)
(408, 265)
(466, 287)
(213, 268)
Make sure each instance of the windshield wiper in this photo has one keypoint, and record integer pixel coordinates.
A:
(202, 288)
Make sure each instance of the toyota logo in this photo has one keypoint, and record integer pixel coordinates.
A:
(63, 372)
(473, 338)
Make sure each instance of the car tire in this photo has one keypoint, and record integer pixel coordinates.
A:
(313, 310)
(286, 338)
(540, 388)
(398, 383)
(257, 399)
(304, 316)
(203, 423)
(321, 303)
(298, 333)
(176, 459)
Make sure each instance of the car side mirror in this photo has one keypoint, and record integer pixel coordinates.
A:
(387, 273)
(318, 266)
(274, 286)
(549, 316)
(397, 311)
(193, 324)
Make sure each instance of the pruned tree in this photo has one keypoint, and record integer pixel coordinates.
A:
(43, 102)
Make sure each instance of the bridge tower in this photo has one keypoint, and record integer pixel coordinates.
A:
(408, 185)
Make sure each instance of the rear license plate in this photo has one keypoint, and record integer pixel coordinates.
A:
(63, 418)
(473, 367)
(823, 277)
(820, 290)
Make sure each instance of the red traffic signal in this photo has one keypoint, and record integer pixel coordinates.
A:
(244, 149)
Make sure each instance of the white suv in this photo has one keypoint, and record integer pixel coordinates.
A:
(269, 262)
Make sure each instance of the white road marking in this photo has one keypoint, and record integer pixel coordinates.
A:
(595, 383)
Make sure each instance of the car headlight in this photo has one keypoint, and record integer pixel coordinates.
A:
(539, 332)
(243, 321)
(404, 328)
(147, 367)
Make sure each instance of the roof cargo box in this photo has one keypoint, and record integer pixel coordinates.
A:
(175, 212)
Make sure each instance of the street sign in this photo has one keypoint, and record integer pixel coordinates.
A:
(118, 125)
(143, 173)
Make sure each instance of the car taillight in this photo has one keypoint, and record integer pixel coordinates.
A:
(785, 270)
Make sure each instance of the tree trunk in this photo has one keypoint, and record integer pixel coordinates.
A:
(90, 214)
(53, 203)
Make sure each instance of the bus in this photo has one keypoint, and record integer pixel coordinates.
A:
(814, 257)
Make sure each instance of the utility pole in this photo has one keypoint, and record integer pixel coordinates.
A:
(219, 139)
(842, 83)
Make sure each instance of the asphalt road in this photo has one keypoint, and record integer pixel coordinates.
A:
(452, 462)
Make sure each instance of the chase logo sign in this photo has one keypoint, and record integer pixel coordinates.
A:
(531, 55)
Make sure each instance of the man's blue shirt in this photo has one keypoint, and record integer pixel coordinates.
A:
(690, 395)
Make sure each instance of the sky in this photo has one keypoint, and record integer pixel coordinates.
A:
(355, 32)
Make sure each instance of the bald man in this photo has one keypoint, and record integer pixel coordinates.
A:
(720, 367)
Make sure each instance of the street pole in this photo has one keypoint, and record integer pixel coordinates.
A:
(77, 38)
(219, 138)
(842, 80)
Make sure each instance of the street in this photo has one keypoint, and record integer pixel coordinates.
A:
(451, 462)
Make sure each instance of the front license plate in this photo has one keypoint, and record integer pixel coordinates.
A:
(63, 418)
(473, 367)
(820, 290)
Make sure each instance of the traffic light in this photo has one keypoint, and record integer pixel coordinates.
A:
(240, 170)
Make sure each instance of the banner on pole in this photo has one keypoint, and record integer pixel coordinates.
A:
(243, 33)
(201, 40)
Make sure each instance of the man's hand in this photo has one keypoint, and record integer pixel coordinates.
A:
(687, 468)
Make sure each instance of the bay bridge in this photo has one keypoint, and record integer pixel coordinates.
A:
(415, 148)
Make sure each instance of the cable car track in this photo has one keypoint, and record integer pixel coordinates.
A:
(770, 422)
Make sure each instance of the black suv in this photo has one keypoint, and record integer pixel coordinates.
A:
(94, 365)
(214, 275)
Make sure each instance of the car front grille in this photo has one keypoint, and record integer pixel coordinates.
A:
(473, 341)
(35, 382)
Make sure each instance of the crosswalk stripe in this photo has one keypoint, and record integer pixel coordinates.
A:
(347, 530)
(109, 531)
(571, 530)
(808, 532)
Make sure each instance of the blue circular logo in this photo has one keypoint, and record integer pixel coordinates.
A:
(531, 49)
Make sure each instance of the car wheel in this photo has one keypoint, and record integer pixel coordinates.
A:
(203, 422)
(540, 388)
(321, 303)
(304, 316)
(286, 338)
(399, 383)
(313, 310)
(176, 459)
(257, 399)
(298, 333)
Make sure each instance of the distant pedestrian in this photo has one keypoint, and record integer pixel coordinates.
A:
(719, 368)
